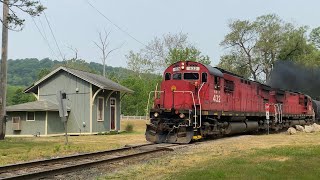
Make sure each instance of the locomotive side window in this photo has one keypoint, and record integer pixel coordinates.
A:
(217, 83)
(167, 76)
(176, 76)
(190, 76)
(204, 77)
(229, 86)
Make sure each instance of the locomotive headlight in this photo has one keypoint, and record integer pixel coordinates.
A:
(182, 67)
(156, 114)
(181, 115)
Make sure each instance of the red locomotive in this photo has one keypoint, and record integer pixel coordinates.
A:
(197, 101)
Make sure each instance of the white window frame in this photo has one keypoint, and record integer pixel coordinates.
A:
(34, 115)
(115, 113)
(100, 120)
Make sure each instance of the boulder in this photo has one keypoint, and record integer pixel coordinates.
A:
(291, 131)
(316, 127)
(299, 128)
(308, 129)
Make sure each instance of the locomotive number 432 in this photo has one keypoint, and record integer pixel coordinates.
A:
(216, 98)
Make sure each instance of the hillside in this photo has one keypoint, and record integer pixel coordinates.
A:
(23, 72)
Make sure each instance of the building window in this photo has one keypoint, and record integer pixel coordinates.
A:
(31, 116)
(112, 101)
(100, 109)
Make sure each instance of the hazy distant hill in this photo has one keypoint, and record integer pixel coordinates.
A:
(23, 72)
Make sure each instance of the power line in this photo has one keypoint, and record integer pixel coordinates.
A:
(44, 37)
(55, 40)
(114, 23)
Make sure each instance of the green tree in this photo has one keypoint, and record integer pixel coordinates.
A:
(43, 72)
(190, 54)
(77, 64)
(31, 7)
(295, 45)
(232, 64)
(260, 43)
(160, 52)
(138, 64)
(141, 87)
(241, 39)
(314, 37)
(21, 97)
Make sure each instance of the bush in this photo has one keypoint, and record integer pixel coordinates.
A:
(56, 148)
(129, 127)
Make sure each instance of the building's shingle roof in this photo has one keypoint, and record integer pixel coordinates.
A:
(97, 80)
(35, 106)
(100, 81)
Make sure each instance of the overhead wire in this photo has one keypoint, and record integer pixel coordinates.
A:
(44, 37)
(108, 19)
(55, 40)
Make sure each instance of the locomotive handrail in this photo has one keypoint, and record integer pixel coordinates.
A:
(149, 97)
(275, 112)
(280, 110)
(200, 113)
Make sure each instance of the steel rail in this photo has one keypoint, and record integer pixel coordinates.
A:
(46, 162)
(59, 170)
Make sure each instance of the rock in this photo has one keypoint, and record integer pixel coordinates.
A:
(299, 128)
(308, 129)
(291, 131)
(316, 127)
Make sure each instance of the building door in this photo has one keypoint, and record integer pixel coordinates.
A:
(113, 113)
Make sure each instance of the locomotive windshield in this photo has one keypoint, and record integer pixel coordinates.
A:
(191, 76)
(176, 76)
(167, 76)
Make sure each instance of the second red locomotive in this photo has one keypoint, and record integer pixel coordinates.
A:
(197, 100)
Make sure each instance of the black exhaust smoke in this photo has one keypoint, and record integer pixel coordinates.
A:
(288, 75)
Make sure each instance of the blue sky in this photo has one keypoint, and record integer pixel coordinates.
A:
(75, 23)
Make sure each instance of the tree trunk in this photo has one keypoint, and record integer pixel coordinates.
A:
(3, 79)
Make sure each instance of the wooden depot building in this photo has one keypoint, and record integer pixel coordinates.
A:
(93, 105)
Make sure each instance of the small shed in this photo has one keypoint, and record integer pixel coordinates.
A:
(93, 104)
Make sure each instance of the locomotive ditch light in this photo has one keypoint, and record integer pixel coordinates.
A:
(182, 115)
(156, 114)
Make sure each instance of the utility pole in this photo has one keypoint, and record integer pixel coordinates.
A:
(3, 71)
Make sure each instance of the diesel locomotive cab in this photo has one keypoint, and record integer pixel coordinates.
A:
(175, 105)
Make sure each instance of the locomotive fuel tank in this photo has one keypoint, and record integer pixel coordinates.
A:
(241, 127)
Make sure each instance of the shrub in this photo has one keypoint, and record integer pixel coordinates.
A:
(56, 148)
(129, 127)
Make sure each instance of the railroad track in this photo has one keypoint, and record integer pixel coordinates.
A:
(55, 166)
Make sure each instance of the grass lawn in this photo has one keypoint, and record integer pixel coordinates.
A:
(275, 156)
(289, 162)
(14, 149)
